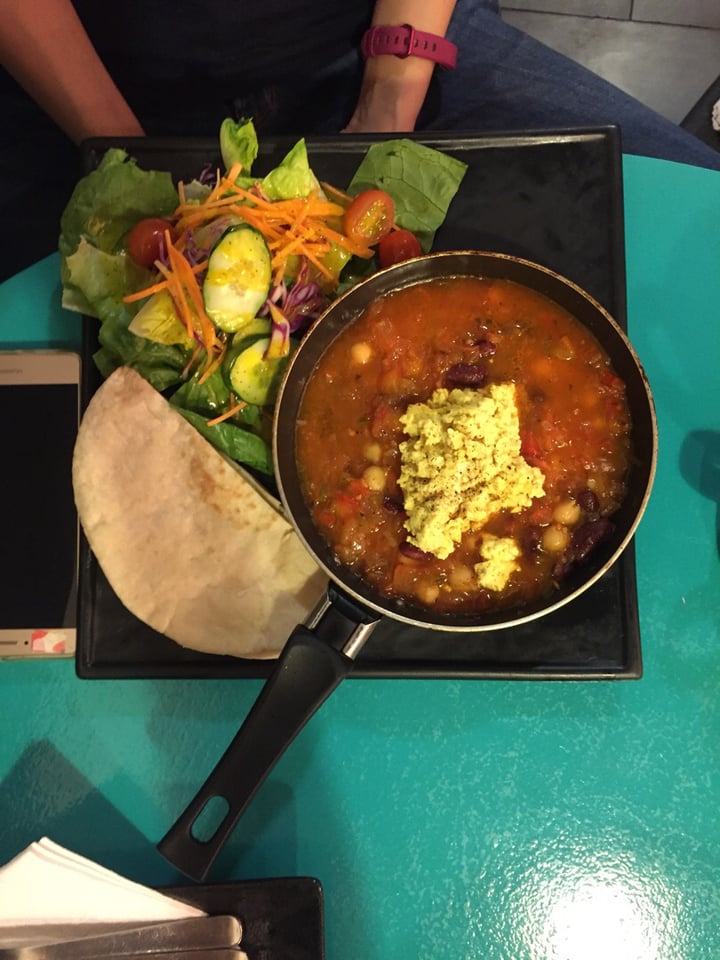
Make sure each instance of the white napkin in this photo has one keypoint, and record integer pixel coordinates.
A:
(48, 884)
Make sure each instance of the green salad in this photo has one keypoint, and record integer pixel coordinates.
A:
(205, 287)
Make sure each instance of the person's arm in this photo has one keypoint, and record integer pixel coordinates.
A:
(44, 46)
(394, 89)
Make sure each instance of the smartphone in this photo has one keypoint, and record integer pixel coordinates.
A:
(39, 416)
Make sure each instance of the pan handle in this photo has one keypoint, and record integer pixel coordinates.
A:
(307, 671)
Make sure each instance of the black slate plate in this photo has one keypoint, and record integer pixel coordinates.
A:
(554, 197)
(283, 919)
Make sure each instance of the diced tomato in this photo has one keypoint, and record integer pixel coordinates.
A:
(356, 488)
(326, 519)
(346, 506)
(612, 380)
(385, 421)
(529, 447)
(348, 502)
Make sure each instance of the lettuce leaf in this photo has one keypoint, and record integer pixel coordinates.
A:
(238, 144)
(161, 364)
(234, 442)
(98, 280)
(422, 182)
(210, 397)
(292, 177)
(103, 208)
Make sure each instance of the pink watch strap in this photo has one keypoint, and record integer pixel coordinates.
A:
(405, 41)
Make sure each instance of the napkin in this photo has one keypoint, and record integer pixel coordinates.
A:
(47, 884)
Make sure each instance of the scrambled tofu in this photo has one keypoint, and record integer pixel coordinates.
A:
(499, 561)
(460, 465)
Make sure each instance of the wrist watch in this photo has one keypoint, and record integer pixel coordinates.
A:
(405, 41)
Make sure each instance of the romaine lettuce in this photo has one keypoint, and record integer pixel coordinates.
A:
(292, 177)
(234, 442)
(422, 182)
(238, 144)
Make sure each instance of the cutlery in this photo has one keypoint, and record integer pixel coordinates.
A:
(193, 935)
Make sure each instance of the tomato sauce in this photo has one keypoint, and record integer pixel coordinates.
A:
(467, 333)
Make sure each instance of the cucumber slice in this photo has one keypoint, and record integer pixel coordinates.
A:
(238, 278)
(259, 327)
(252, 377)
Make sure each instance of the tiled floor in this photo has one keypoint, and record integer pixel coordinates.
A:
(664, 52)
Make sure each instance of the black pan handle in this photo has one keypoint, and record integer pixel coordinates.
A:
(307, 671)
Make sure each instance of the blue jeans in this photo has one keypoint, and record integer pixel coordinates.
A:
(506, 80)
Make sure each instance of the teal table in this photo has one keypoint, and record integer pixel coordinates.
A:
(462, 819)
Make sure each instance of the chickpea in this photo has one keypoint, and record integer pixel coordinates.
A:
(555, 538)
(567, 512)
(373, 452)
(361, 352)
(427, 592)
(374, 478)
(461, 577)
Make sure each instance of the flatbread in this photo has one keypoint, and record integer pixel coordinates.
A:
(184, 540)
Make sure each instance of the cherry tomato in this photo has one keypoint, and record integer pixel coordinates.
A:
(145, 241)
(398, 246)
(369, 217)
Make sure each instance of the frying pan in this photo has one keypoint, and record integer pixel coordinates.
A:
(320, 652)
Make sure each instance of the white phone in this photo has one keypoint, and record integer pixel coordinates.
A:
(39, 416)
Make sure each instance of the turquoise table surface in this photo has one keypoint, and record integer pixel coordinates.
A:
(464, 819)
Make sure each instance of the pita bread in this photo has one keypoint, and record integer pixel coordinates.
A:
(184, 540)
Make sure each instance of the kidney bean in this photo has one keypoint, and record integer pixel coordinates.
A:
(412, 552)
(393, 504)
(530, 541)
(587, 501)
(466, 375)
(584, 540)
(536, 394)
(485, 347)
(561, 568)
(589, 535)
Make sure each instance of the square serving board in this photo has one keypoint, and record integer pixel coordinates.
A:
(554, 197)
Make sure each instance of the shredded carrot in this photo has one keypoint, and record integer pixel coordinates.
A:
(178, 298)
(192, 297)
(318, 264)
(160, 285)
(191, 362)
(228, 413)
(297, 227)
(346, 243)
(145, 292)
(213, 365)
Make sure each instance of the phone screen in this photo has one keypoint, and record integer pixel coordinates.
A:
(38, 552)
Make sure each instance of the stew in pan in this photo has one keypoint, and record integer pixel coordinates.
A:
(463, 444)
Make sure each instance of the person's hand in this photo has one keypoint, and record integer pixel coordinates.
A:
(392, 93)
